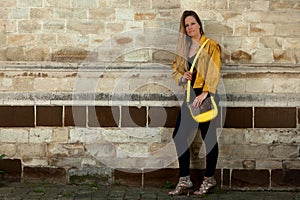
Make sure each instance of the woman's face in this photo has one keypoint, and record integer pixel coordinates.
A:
(192, 27)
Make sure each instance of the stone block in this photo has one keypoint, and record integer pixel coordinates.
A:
(57, 4)
(284, 151)
(41, 13)
(60, 135)
(14, 135)
(70, 14)
(161, 4)
(249, 151)
(29, 26)
(85, 26)
(84, 4)
(19, 13)
(45, 174)
(38, 54)
(57, 26)
(8, 149)
(31, 150)
(286, 85)
(259, 85)
(235, 85)
(102, 14)
(287, 30)
(260, 5)
(283, 56)
(232, 136)
(65, 162)
(38, 135)
(65, 150)
(21, 39)
(33, 162)
(140, 4)
(262, 29)
(11, 52)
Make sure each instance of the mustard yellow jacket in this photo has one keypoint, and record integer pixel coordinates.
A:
(208, 68)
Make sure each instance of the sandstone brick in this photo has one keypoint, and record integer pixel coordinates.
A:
(71, 14)
(284, 151)
(4, 12)
(14, 135)
(232, 136)
(138, 56)
(262, 29)
(57, 4)
(283, 5)
(102, 14)
(163, 4)
(56, 26)
(23, 84)
(132, 150)
(238, 5)
(21, 39)
(260, 5)
(84, 4)
(30, 3)
(287, 29)
(118, 4)
(29, 26)
(249, 151)
(19, 13)
(140, 4)
(41, 13)
(272, 42)
(65, 150)
(214, 27)
(9, 3)
(263, 55)
(290, 43)
(31, 150)
(144, 16)
(235, 85)
(7, 26)
(45, 39)
(8, 149)
(124, 14)
(40, 135)
(115, 27)
(285, 86)
(65, 162)
(60, 135)
(38, 54)
(35, 162)
(85, 27)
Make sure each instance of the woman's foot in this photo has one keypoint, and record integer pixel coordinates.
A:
(183, 186)
(207, 184)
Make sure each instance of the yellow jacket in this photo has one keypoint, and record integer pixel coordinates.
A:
(208, 68)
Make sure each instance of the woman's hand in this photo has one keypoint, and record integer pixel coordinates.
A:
(199, 99)
(187, 76)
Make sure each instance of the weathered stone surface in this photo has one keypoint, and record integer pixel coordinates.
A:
(241, 56)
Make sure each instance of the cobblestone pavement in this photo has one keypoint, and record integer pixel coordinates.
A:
(43, 191)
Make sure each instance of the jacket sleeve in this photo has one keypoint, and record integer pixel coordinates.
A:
(176, 74)
(212, 77)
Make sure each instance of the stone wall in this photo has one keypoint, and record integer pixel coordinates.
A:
(87, 94)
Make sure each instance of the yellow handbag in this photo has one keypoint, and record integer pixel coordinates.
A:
(208, 109)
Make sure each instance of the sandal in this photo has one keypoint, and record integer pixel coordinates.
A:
(207, 184)
(183, 187)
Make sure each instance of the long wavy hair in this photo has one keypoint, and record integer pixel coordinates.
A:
(184, 41)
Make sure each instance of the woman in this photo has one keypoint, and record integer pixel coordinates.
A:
(204, 80)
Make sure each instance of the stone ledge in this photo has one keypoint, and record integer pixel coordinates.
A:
(68, 98)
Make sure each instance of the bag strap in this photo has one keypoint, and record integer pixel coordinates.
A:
(191, 70)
